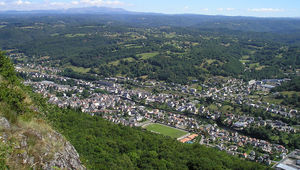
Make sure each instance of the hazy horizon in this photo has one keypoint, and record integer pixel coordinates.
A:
(255, 8)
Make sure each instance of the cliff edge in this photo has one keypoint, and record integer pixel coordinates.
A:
(27, 141)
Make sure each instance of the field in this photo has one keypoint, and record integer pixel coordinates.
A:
(74, 35)
(290, 93)
(78, 69)
(209, 61)
(117, 62)
(213, 107)
(273, 100)
(165, 130)
(254, 65)
(244, 61)
(145, 56)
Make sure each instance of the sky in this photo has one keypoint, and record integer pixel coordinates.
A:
(259, 8)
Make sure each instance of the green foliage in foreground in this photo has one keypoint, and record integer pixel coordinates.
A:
(103, 145)
(4, 150)
(7, 69)
(11, 90)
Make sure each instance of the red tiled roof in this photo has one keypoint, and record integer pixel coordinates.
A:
(185, 140)
(192, 136)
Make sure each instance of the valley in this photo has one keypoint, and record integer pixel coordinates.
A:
(226, 113)
(144, 91)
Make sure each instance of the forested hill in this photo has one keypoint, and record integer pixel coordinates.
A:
(172, 48)
(279, 25)
(101, 144)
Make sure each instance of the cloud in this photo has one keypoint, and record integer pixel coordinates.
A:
(100, 2)
(186, 7)
(57, 4)
(114, 3)
(20, 2)
(225, 9)
(266, 10)
(74, 2)
(230, 9)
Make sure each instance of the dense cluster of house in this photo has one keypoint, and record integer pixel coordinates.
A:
(38, 68)
(232, 141)
(239, 122)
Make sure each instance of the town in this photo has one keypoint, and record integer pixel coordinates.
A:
(133, 102)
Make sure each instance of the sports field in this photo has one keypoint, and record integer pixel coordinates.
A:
(165, 130)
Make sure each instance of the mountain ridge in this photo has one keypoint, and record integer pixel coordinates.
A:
(111, 10)
(83, 10)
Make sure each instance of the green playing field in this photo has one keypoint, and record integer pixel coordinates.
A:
(166, 130)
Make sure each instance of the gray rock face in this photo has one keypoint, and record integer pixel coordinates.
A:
(66, 158)
(4, 124)
(38, 149)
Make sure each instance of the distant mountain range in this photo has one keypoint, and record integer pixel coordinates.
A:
(84, 10)
(97, 10)
(102, 10)
(109, 10)
(241, 23)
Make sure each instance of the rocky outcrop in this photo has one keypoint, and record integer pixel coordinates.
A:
(67, 157)
(27, 141)
(4, 124)
(35, 145)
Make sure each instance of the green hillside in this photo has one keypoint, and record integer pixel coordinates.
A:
(103, 145)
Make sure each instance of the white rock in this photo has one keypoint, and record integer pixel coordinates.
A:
(4, 124)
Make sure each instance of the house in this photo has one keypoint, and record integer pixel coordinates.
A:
(284, 167)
